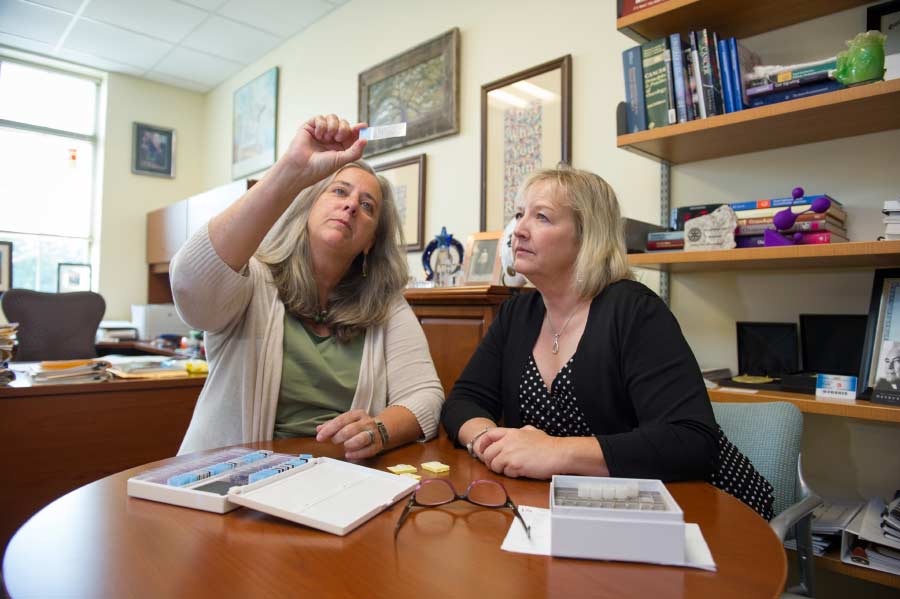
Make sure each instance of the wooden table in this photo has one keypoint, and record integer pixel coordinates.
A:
(55, 438)
(97, 542)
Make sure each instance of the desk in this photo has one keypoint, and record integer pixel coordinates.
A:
(133, 348)
(97, 542)
(55, 438)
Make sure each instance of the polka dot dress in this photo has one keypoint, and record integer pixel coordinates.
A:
(737, 476)
(555, 412)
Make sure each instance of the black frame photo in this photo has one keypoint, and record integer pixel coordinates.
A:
(532, 113)
(152, 150)
(884, 317)
(72, 277)
(407, 178)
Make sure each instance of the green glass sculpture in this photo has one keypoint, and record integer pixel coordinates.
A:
(863, 60)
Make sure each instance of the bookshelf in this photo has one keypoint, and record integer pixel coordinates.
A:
(844, 113)
(832, 561)
(737, 18)
(860, 409)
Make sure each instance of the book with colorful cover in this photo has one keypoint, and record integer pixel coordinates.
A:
(707, 74)
(799, 227)
(681, 97)
(636, 110)
(656, 84)
(812, 238)
(697, 75)
(795, 94)
(768, 88)
(808, 216)
(794, 72)
(833, 211)
(781, 202)
(671, 244)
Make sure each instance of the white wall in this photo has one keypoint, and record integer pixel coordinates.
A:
(126, 198)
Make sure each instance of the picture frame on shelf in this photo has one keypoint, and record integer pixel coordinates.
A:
(419, 87)
(6, 253)
(882, 333)
(482, 259)
(885, 18)
(152, 150)
(526, 124)
(407, 179)
(72, 277)
(254, 125)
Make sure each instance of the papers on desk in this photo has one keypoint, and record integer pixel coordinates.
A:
(696, 551)
(146, 367)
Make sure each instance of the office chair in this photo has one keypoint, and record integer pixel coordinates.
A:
(54, 326)
(769, 435)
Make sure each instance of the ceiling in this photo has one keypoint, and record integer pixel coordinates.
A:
(192, 44)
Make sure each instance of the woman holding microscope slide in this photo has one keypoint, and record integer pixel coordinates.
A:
(298, 287)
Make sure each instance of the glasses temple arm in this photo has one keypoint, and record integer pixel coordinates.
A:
(515, 510)
(404, 515)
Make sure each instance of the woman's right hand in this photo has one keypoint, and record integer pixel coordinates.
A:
(322, 145)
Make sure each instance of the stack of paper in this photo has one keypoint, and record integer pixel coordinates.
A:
(870, 539)
(64, 372)
(7, 340)
(146, 367)
(828, 522)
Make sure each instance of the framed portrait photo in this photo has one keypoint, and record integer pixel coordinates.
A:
(526, 124)
(882, 333)
(152, 150)
(6, 249)
(254, 120)
(885, 17)
(482, 259)
(73, 277)
(407, 179)
(419, 87)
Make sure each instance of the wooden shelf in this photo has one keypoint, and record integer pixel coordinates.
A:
(861, 409)
(843, 113)
(832, 561)
(728, 18)
(854, 254)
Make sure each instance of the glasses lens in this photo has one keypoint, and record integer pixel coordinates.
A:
(435, 492)
(487, 493)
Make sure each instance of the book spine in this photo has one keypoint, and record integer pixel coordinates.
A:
(735, 68)
(718, 81)
(681, 99)
(795, 94)
(780, 202)
(833, 212)
(656, 94)
(768, 88)
(671, 244)
(767, 220)
(788, 75)
(815, 238)
(698, 76)
(634, 90)
(689, 86)
(707, 75)
(799, 227)
(665, 235)
(672, 112)
(725, 72)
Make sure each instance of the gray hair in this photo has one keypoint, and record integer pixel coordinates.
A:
(602, 258)
(357, 302)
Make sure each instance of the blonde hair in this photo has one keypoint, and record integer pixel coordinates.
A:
(602, 258)
(358, 301)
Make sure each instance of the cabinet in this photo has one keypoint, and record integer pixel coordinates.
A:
(168, 228)
(455, 319)
(850, 112)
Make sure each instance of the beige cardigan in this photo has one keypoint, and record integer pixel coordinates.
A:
(244, 323)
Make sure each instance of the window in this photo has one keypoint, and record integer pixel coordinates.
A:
(48, 143)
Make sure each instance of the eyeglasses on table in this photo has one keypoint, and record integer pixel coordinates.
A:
(434, 492)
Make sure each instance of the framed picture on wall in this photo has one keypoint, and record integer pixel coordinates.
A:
(526, 124)
(152, 150)
(254, 121)
(407, 178)
(881, 354)
(419, 87)
(482, 259)
(6, 249)
(73, 277)
(885, 18)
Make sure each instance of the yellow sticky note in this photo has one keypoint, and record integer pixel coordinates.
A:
(435, 467)
(402, 468)
(411, 475)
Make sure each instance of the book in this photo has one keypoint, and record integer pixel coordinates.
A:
(809, 225)
(795, 94)
(697, 76)
(737, 101)
(665, 244)
(681, 98)
(809, 216)
(762, 74)
(656, 84)
(322, 493)
(812, 238)
(725, 73)
(690, 87)
(833, 211)
(627, 7)
(665, 235)
(718, 82)
(707, 74)
(768, 88)
(636, 115)
(781, 202)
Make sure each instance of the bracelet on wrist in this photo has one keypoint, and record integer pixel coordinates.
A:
(470, 446)
(383, 433)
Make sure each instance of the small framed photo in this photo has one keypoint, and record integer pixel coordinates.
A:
(885, 17)
(73, 277)
(254, 125)
(881, 359)
(6, 248)
(153, 151)
(482, 260)
(407, 178)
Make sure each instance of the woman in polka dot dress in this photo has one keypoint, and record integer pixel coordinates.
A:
(590, 375)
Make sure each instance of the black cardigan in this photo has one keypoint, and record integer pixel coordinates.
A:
(636, 381)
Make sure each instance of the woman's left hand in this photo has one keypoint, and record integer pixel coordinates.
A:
(525, 451)
(356, 430)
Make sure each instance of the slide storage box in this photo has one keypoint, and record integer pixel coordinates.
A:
(648, 528)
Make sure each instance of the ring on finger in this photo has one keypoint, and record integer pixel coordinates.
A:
(371, 436)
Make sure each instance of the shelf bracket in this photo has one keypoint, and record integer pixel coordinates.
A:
(664, 202)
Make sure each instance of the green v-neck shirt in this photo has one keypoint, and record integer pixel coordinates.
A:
(318, 379)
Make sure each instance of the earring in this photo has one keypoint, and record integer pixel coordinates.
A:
(365, 268)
